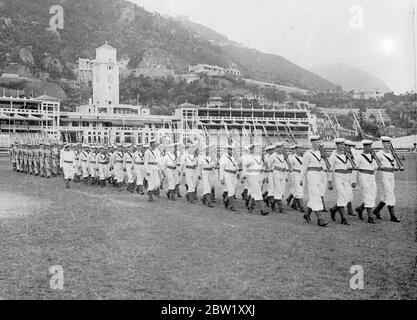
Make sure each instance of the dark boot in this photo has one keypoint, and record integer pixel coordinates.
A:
(377, 210)
(150, 194)
(137, 189)
(370, 217)
(300, 205)
(333, 212)
(270, 202)
(244, 194)
(119, 186)
(295, 204)
(251, 204)
(132, 187)
(359, 210)
(320, 221)
(213, 195)
(231, 202)
(262, 208)
(190, 197)
(141, 190)
(289, 200)
(177, 190)
(225, 199)
(392, 214)
(324, 206)
(280, 206)
(265, 195)
(173, 195)
(207, 197)
(247, 201)
(157, 192)
(103, 183)
(67, 183)
(307, 215)
(169, 194)
(343, 216)
(350, 209)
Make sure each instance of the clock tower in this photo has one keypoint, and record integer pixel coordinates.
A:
(106, 76)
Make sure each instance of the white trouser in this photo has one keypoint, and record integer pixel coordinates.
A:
(230, 183)
(172, 178)
(84, 166)
(255, 185)
(191, 179)
(279, 182)
(315, 187)
(295, 188)
(68, 169)
(342, 186)
(368, 186)
(270, 187)
(388, 184)
(208, 179)
(103, 171)
(92, 169)
(153, 179)
(130, 174)
(118, 172)
(138, 174)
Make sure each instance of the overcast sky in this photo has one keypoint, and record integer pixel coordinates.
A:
(314, 32)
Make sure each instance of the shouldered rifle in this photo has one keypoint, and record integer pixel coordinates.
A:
(396, 157)
(324, 156)
(349, 156)
(378, 162)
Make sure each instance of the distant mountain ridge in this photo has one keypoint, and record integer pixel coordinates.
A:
(350, 77)
(142, 38)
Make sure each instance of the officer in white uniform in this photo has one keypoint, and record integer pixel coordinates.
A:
(190, 172)
(206, 168)
(152, 170)
(389, 166)
(139, 166)
(367, 166)
(340, 173)
(102, 164)
(169, 165)
(67, 164)
(128, 167)
(92, 164)
(117, 161)
(84, 163)
(279, 168)
(312, 173)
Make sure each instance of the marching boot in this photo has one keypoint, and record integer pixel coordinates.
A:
(169, 194)
(377, 210)
(173, 195)
(320, 221)
(191, 197)
(392, 214)
(150, 194)
(324, 206)
(67, 183)
(359, 210)
(213, 195)
(370, 218)
(289, 200)
(251, 205)
(295, 204)
(244, 194)
(177, 189)
(208, 200)
(203, 200)
(270, 202)
(300, 205)
(265, 198)
(280, 206)
(231, 202)
(225, 199)
(333, 212)
(141, 190)
(119, 186)
(262, 208)
(247, 201)
(137, 189)
(307, 215)
(131, 187)
(343, 216)
(103, 183)
(350, 209)
(157, 192)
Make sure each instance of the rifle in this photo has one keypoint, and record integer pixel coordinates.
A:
(396, 157)
(378, 162)
(349, 156)
(324, 156)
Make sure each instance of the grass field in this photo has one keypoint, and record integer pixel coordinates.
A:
(115, 245)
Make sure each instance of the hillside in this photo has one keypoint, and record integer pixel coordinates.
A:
(142, 38)
(349, 77)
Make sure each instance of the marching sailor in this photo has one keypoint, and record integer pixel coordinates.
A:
(349, 147)
(138, 167)
(367, 165)
(296, 190)
(92, 164)
(189, 171)
(279, 175)
(151, 170)
(169, 161)
(253, 167)
(102, 164)
(312, 173)
(340, 171)
(55, 159)
(117, 162)
(84, 163)
(229, 176)
(207, 166)
(128, 167)
(389, 165)
(270, 191)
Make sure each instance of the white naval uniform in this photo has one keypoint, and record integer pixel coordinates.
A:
(67, 164)
(128, 166)
(92, 164)
(207, 167)
(118, 166)
(253, 167)
(389, 165)
(191, 173)
(366, 178)
(228, 172)
(295, 176)
(169, 161)
(269, 174)
(84, 163)
(312, 172)
(340, 171)
(151, 169)
(102, 165)
(138, 167)
(279, 174)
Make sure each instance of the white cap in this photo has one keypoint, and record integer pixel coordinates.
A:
(339, 140)
(386, 139)
(367, 142)
(349, 143)
(314, 138)
(270, 147)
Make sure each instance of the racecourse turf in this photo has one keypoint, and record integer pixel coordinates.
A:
(116, 245)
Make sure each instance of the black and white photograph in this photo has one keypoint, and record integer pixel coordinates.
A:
(208, 150)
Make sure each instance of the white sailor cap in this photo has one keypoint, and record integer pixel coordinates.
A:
(315, 138)
(386, 139)
(279, 144)
(128, 145)
(349, 143)
(367, 142)
(339, 140)
(270, 147)
(153, 140)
